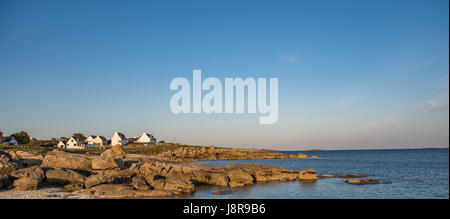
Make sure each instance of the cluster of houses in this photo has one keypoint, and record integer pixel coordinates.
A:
(8, 140)
(93, 140)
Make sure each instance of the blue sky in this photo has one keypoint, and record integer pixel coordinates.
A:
(352, 74)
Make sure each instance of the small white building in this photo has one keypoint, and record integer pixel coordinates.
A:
(90, 140)
(118, 139)
(10, 140)
(62, 144)
(146, 138)
(100, 140)
(76, 143)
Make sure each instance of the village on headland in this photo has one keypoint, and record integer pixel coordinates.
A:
(78, 140)
(140, 167)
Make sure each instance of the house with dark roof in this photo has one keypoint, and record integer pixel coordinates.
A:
(62, 144)
(146, 138)
(10, 140)
(118, 139)
(76, 143)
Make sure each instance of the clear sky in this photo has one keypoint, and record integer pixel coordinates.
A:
(352, 74)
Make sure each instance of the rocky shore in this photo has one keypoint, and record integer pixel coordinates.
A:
(115, 174)
(214, 153)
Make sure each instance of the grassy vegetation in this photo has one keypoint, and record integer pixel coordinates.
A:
(24, 148)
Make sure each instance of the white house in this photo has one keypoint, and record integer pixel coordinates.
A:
(100, 140)
(118, 139)
(10, 140)
(76, 143)
(90, 140)
(146, 138)
(61, 144)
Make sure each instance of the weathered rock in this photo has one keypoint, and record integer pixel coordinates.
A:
(214, 153)
(8, 164)
(97, 179)
(139, 194)
(210, 177)
(266, 173)
(301, 156)
(62, 176)
(314, 157)
(28, 158)
(29, 178)
(66, 160)
(178, 185)
(120, 176)
(353, 175)
(239, 178)
(109, 159)
(30, 172)
(197, 174)
(307, 174)
(325, 176)
(108, 189)
(26, 183)
(362, 181)
(100, 163)
(139, 183)
(173, 184)
(5, 181)
(75, 186)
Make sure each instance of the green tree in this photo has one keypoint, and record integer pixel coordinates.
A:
(22, 137)
(79, 135)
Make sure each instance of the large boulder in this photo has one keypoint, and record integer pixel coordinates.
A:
(8, 164)
(97, 179)
(28, 178)
(197, 174)
(109, 159)
(67, 160)
(177, 185)
(24, 184)
(307, 174)
(28, 158)
(63, 177)
(120, 176)
(239, 178)
(30, 172)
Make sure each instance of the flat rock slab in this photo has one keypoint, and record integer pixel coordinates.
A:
(363, 181)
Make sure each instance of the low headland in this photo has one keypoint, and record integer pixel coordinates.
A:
(138, 171)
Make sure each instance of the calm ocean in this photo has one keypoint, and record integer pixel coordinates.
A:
(420, 173)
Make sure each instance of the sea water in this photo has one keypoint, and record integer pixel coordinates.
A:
(415, 173)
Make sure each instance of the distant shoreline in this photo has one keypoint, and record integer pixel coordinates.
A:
(379, 149)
